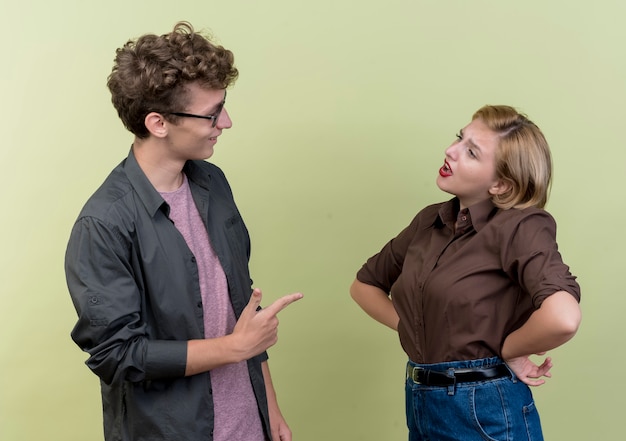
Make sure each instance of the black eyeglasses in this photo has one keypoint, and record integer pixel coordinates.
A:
(213, 117)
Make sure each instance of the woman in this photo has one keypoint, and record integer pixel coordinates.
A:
(475, 286)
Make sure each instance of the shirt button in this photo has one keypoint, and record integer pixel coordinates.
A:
(193, 259)
(199, 305)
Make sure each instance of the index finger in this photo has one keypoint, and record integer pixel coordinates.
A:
(282, 303)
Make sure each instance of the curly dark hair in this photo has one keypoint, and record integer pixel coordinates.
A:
(150, 74)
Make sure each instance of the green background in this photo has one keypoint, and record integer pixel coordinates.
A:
(341, 115)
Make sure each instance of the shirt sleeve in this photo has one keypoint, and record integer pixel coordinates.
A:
(107, 298)
(531, 257)
(383, 269)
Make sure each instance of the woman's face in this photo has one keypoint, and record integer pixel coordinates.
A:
(469, 169)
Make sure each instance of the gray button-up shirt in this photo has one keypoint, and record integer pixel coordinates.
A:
(134, 284)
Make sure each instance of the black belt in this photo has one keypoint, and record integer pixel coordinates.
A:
(429, 377)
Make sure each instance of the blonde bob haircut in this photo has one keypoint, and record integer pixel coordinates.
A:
(523, 159)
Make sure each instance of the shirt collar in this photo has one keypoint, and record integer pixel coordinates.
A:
(480, 213)
(196, 174)
(447, 213)
(148, 195)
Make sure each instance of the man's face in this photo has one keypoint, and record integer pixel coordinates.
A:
(192, 137)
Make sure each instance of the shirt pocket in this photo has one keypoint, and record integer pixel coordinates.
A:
(237, 238)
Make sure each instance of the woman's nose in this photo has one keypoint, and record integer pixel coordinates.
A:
(451, 151)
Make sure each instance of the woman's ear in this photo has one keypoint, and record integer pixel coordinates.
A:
(500, 186)
(156, 124)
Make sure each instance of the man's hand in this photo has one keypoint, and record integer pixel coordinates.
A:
(256, 331)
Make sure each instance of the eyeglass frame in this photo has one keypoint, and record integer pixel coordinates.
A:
(213, 117)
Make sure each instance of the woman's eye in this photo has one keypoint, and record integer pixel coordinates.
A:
(471, 153)
(459, 137)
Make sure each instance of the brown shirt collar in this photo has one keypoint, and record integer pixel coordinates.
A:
(479, 214)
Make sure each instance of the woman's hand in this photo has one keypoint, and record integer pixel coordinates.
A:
(553, 324)
(529, 372)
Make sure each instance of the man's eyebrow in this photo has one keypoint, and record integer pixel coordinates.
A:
(216, 106)
(213, 109)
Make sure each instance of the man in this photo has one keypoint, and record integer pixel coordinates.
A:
(157, 262)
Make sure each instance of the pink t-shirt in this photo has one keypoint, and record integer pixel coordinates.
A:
(237, 415)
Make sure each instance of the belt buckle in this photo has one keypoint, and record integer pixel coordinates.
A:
(413, 373)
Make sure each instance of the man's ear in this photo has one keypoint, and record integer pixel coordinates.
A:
(500, 186)
(156, 124)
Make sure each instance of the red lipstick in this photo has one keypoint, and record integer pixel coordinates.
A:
(445, 170)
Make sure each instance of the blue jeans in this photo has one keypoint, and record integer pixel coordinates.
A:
(501, 409)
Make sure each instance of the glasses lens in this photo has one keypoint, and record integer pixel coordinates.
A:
(217, 114)
(219, 110)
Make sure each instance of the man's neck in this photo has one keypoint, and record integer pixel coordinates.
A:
(163, 171)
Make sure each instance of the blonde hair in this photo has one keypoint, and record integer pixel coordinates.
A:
(523, 159)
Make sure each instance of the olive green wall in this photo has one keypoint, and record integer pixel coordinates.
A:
(341, 115)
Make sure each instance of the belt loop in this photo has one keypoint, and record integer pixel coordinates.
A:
(410, 372)
(452, 387)
(513, 376)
